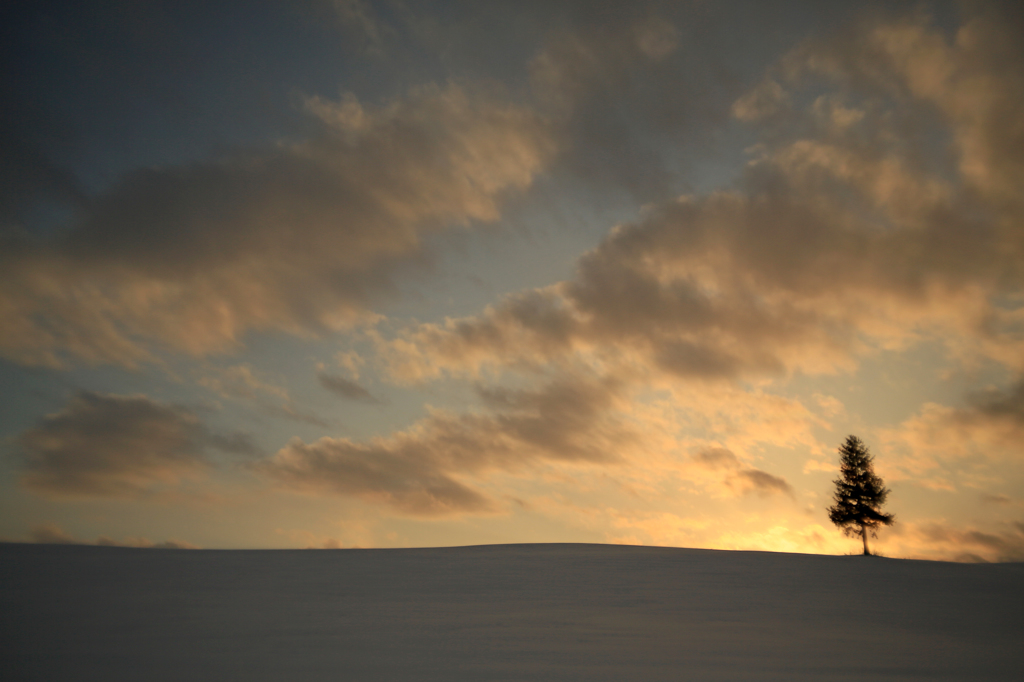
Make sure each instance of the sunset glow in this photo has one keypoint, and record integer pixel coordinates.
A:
(373, 274)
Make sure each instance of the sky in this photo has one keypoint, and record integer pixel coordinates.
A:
(392, 274)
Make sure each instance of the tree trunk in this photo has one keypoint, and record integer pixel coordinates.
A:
(864, 536)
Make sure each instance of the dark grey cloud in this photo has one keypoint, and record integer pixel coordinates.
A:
(1005, 404)
(346, 388)
(103, 445)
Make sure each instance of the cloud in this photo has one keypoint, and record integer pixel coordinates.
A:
(935, 540)
(986, 431)
(678, 293)
(595, 60)
(346, 388)
(239, 381)
(938, 539)
(840, 239)
(761, 483)
(379, 474)
(436, 468)
(706, 527)
(1006, 405)
(52, 534)
(717, 458)
(330, 543)
(105, 541)
(301, 237)
(573, 430)
(625, 85)
(761, 102)
(302, 538)
(813, 465)
(737, 478)
(103, 445)
(294, 414)
(975, 81)
(359, 21)
(1000, 500)
(237, 443)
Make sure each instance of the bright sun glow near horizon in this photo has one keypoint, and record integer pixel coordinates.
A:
(359, 273)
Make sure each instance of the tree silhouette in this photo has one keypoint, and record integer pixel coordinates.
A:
(859, 494)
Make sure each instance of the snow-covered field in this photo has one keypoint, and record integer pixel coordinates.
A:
(504, 612)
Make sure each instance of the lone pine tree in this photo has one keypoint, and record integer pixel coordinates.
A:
(859, 493)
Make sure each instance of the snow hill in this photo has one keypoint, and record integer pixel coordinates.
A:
(504, 612)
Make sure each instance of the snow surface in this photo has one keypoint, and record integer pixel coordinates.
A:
(503, 612)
